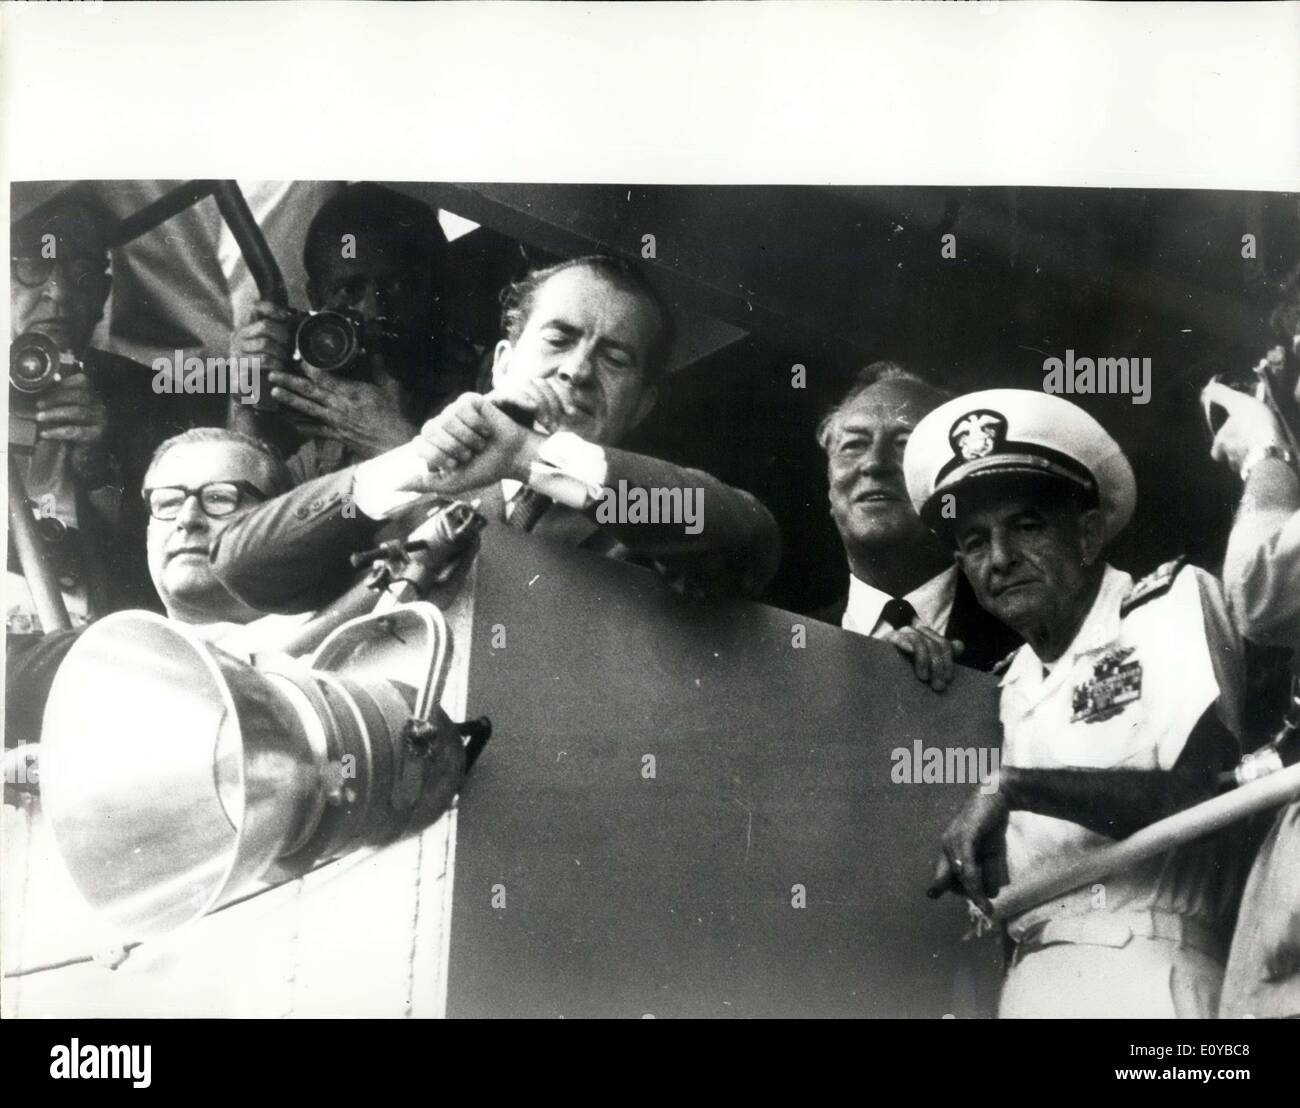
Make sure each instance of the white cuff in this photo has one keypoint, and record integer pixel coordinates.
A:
(569, 470)
(375, 483)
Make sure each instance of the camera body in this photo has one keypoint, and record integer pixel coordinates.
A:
(338, 341)
(36, 366)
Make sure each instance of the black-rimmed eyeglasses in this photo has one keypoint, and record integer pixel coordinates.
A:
(218, 499)
(33, 272)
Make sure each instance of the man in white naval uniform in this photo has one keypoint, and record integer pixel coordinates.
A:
(1121, 708)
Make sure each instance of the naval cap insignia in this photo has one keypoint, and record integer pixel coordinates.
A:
(977, 434)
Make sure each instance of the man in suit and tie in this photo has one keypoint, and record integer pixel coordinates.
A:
(904, 586)
(585, 345)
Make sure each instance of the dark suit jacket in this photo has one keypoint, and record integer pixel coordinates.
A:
(31, 662)
(291, 553)
(988, 640)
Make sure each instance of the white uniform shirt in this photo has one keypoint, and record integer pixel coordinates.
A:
(932, 601)
(1126, 694)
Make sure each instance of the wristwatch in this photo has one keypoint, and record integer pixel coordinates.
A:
(1259, 453)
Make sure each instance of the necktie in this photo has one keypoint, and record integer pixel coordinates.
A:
(529, 505)
(898, 613)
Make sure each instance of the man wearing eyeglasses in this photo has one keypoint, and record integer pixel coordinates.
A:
(198, 484)
(83, 443)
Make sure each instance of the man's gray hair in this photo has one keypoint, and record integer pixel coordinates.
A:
(281, 478)
(868, 377)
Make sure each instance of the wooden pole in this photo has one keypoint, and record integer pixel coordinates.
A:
(1191, 823)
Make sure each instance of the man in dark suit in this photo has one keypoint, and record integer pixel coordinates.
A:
(904, 586)
(585, 345)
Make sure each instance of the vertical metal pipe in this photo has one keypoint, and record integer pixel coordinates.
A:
(46, 594)
(261, 262)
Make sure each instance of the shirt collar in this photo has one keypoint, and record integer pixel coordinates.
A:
(865, 603)
(1100, 626)
(932, 601)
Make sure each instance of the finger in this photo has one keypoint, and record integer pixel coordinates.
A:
(306, 406)
(940, 657)
(265, 337)
(515, 402)
(264, 329)
(1216, 392)
(62, 397)
(71, 413)
(445, 484)
(301, 386)
(943, 879)
(444, 448)
(958, 647)
(476, 413)
(550, 405)
(72, 387)
(266, 309)
(465, 435)
(69, 433)
(969, 875)
(263, 361)
(323, 378)
(943, 654)
(920, 653)
(472, 411)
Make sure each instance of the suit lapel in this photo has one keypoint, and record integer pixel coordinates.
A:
(988, 640)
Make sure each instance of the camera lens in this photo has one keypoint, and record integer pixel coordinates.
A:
(329, 341)
(33, 364)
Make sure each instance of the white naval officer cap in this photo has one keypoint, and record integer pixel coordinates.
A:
(1017, 433)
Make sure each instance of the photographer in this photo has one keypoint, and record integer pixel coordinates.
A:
(80, 419)
(382, 256)
(1262, 575)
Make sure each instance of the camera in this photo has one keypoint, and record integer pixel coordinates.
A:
(36, 365)
(339, 341)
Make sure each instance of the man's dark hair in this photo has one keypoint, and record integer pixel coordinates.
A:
(868, 377)
(399, 224)
(517, 301)
(281, 480)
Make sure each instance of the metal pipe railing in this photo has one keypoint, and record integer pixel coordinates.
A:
(1191, 823)
(44, 586)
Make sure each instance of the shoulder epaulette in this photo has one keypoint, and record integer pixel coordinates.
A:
(1152, 585)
